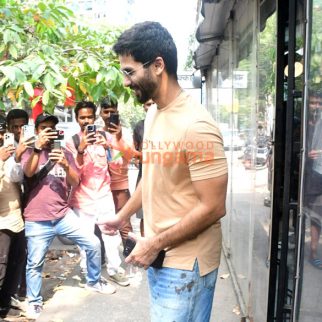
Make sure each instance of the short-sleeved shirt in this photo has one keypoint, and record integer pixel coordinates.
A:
(95, 179)
(10, 208)
(182, 144)
(49, 199)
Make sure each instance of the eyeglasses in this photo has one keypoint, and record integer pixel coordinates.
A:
(130, 73)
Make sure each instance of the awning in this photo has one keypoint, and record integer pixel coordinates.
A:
(211, 30)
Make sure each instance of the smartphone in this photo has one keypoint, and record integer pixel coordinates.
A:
(60, 134)
(114, 118)
(28, 132)
(8, 139)
(91, 128)
(56, 145)
(129, 246)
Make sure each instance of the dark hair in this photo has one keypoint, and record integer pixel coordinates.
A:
(17, 113)
(109, 102)
(84, 104)
(146, 41)
(3, 123)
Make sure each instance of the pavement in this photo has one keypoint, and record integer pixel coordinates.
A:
(65, 301)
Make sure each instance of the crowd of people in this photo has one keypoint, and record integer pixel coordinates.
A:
(47, 190)
(82, 191)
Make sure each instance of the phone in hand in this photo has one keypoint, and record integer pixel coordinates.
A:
(56, 145)
(129, 246)
(91, 128)
(114, 118)
(28, 132)
(8, 139)
(59, 133)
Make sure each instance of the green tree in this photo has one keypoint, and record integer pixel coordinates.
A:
(43, 46)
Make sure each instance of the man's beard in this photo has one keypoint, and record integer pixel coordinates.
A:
(146, 89)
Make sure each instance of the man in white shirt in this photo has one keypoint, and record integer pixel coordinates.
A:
(12, 239)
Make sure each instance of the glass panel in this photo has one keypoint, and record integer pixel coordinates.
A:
(311, 291)
(263, 163)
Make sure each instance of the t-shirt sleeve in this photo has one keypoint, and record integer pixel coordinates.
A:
(205, 151)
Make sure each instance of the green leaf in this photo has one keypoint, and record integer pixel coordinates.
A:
(99, 77)
(45, 97)
(2, 106)
(9, 72)
(6, 36)
(42, 6)
(20, 76)
(35, 101)
(38, 72)
(92, 63)
(13, 51)
(49, 82)
(3, 81)
(28, 88)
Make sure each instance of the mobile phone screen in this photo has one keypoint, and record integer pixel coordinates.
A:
(114, 118)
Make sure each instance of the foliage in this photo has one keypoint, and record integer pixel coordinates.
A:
(131, 114)
(190, 61)
(267, 58)
(42, 46)
(315, 74)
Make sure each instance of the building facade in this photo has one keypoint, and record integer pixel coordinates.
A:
(261, 64)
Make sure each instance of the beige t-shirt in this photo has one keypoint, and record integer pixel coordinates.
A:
(10, 212)
(181, 144)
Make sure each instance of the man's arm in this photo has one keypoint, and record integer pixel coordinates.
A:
(133, 205)
(31, 165)
(210, 208)
(13, 170)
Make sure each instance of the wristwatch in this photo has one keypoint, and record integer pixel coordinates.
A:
(80, 152)
(37, 150)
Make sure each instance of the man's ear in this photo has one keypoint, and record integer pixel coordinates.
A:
(159, 65)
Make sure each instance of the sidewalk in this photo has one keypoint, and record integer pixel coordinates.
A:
(65, 301)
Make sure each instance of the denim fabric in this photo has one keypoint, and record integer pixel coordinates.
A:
(181, 295)
(40, 234)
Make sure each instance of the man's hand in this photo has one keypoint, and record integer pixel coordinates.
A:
(86, 140)
(314, 154)
(110, 226)
(23, 145)
(6, 152)
(116, 130)
(144, 252)
(58, 156)
(44, 137)
(101, 140)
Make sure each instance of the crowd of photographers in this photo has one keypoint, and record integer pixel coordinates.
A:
(48, 188)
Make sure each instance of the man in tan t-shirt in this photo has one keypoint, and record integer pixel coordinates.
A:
(184, 181)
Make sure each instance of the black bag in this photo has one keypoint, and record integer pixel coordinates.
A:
(31, 183)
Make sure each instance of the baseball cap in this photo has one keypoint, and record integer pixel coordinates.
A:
(45, 117)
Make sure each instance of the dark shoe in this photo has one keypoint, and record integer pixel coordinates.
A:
(4, 311)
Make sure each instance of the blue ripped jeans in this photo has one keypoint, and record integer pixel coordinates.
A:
(181, 295)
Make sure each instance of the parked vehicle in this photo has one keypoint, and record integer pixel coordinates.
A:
(255, 156)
